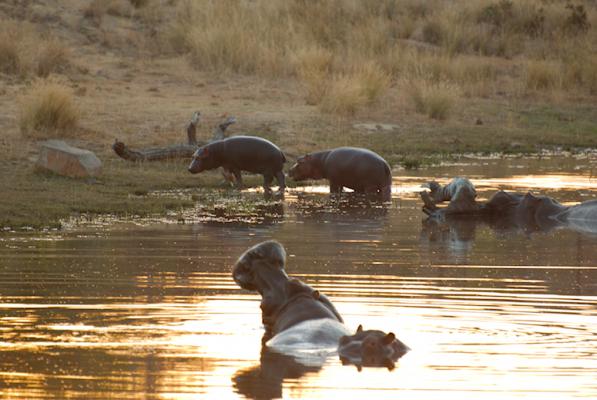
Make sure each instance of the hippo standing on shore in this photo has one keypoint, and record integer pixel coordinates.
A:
(355, 168)
(296, 316)
(242, 153)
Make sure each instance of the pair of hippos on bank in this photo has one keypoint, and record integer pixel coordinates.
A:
(355, 168)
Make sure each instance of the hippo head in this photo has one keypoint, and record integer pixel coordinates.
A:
(261, 268)
(371, 348)
(203, 159)
(537, 208)
(434, 189)
(305, 168)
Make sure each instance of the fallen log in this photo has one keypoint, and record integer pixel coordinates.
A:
(155, 154)
(174, 151)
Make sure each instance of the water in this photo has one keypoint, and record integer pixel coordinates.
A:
(150, 310)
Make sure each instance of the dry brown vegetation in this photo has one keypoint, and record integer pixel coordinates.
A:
(47, 108)
(529, 45)
(24, 52)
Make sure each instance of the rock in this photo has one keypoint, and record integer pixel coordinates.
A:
(62, 159)
(376, 127)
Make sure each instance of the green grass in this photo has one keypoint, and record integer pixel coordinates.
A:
(40, 199)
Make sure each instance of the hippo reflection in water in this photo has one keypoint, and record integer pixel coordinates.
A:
(527, 212)
(297, 317)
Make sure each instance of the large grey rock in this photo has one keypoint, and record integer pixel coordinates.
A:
(60, 158)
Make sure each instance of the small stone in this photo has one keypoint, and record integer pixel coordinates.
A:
(62, 159)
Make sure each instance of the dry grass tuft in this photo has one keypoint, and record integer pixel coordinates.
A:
(52, 57)
(343, 95)
(542, 75)
(23, 52)
(435, 99)
(48, 107)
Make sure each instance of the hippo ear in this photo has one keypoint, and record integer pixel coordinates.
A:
(359, 367)
(316, 294)
(360, 328)
(308, 157)
(389, 338)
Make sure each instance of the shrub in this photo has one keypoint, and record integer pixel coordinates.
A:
(435, 99)
(344, 96)
(313, 65)
(577, 21)
(372, 80)
(542, 75)
(47, 107)
(52, 57)
(24, 53)
(139, 3)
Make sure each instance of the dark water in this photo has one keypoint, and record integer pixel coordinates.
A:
(150, 310)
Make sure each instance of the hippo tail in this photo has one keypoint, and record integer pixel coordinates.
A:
(283, 157)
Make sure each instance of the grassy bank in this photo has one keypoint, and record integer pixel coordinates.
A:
(413, 81)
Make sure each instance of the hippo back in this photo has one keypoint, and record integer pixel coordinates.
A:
(300, 308)
(252, 154)
(357, 168)
(320, 334)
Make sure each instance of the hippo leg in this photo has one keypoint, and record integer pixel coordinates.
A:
(335, 187)
(281, 182)
(267, 181)
(239, 179)
(386, 193)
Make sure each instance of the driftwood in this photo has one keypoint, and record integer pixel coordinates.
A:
(173, 151)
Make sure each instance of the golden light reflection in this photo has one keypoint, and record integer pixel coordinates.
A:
(493, 332)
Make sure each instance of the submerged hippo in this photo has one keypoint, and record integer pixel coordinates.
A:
(242, 153)
(526, 211)
(460, 192)
(297, 316)
(355, 168)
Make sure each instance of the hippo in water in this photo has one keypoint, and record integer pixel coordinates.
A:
(298, 316)
(355, 168)
(523, 210)
(242, 153)
(460, 192)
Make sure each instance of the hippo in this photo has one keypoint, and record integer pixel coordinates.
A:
(460, 192)
(296, 316)
(370, 348)
(242, 153)
(526, 211)
(355, 168)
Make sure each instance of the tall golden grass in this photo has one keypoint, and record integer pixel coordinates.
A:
(24, 52)
(46, 108)
(325, 44)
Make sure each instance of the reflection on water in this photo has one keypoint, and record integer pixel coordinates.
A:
(152, 312)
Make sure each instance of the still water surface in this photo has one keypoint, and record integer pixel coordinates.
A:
(150, 311)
